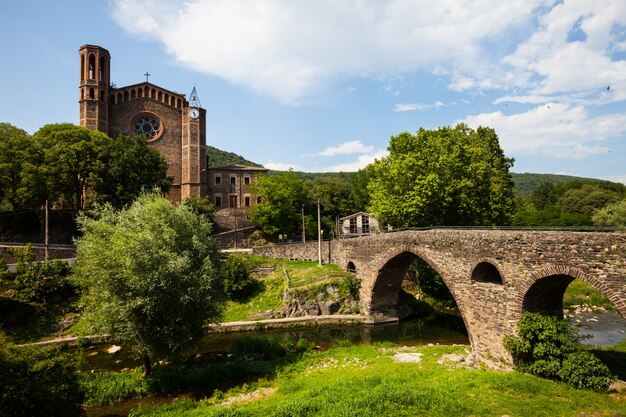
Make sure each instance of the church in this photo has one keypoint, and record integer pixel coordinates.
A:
(172, 125)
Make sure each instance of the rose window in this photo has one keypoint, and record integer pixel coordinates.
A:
(147, 125)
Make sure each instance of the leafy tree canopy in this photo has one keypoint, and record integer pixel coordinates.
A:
(151, 275)
(611, 215)
(283, 195)
(448, 176)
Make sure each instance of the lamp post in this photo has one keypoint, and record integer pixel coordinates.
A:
(319, 235)
(303, 234)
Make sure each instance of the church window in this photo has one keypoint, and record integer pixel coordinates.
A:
(139, 92)
(82, 68)
(152, 93)
(247, 201)
(146, 91)
(218, 201)
(101, 70)
(246, 180)
(178, 104)
(172, 101)
(233, 180)
(160, 96)
(218, 179)
(92, 66)
(167, 99)
(101, 95)
(92, 93)
(148, 125)
(132, 93)
(112, 98)
(82, 94)
(119, 97)
(126, 95)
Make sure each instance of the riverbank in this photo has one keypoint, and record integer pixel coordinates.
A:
(381, 380)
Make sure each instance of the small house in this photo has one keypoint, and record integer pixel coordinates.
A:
(358, 224)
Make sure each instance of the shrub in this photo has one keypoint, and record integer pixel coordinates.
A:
(45, 282)
(238, 280)
(583, 370)
(549, 347)
(350, 285)
(38, 382)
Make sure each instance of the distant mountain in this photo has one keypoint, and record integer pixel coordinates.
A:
(219, 158)
(526, 182)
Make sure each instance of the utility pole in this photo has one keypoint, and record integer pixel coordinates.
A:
(319, 235)
(45, 238)
(303, 235)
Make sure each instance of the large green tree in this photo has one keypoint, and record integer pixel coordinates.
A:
(129, 167)
(21, 185)
(283, 196)
(448, 176)
(73, 160)
(151, 275)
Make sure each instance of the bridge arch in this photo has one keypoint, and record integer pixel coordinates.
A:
(487, 271)
(381, 296)
(543, 292)
(351, 267)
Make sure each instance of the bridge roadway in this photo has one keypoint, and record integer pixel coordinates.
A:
(494, 275)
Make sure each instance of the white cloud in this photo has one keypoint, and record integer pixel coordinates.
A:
(400, 107)
(361, 162)
(289, 49)
(280, 166)
(353, 146)
(555, 129)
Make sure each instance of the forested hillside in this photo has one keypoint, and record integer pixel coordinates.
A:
(220, 158)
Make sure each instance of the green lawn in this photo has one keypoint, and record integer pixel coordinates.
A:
(581, 293)
(364, 381)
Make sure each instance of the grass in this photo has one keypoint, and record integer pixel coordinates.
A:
(269, 294)
(581, 293)
(364, 381)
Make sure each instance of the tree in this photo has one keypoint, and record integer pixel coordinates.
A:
(73, 159)
(283, 196)
(544, 195)
(587, 199)
(151, 275)
(448, 176)
(611, 215)
(334, 195)
(129, 167)
(20, 182)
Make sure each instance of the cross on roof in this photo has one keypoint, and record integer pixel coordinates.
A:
(147, 74)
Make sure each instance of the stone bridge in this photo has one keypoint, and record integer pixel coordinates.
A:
(494, 275)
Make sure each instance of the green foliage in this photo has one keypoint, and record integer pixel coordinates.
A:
(150, 275)
(22, 255)
(548, 347)
(130, 167)
(238, 281)
(448, 176)
(218, 158)
(613, 214)
(526, 183)
(583, 370)
(38, 382)
(586, 199)
(46, 282)
(202, 207)
(104, 388)
(257, 347)
(283, 195)
(429, 284)
(350, 284)
(20, 178)
(544, 195)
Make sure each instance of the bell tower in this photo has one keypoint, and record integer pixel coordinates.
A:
(94, 87)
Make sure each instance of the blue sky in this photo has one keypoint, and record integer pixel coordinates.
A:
(321, 86)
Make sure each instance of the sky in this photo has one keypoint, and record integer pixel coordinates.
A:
(322, 85)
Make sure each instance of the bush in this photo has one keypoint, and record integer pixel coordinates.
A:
(238, 281)
(45, 282)
(549, 347)
(38, 382)
(583, 370)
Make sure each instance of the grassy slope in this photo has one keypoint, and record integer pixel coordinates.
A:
(364, 381)
(270, 293)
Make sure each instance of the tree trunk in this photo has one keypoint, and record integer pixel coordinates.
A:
(147, 366)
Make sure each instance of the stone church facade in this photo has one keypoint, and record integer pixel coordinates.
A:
(171, 124)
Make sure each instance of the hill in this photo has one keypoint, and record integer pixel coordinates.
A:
(524, 183)
(220, 158)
